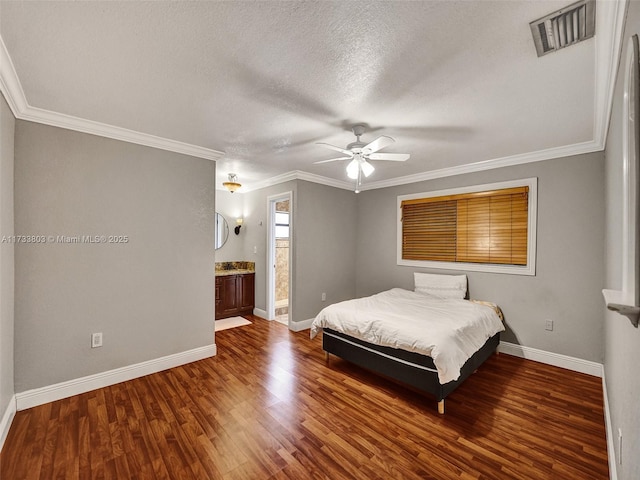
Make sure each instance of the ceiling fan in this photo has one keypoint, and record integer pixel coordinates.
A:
(359, 152)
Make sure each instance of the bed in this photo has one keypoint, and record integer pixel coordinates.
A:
(430, 338)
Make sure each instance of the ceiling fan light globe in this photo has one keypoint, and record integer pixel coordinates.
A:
(352, 169)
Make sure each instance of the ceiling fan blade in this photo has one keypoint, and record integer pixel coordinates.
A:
(333, 147)
(394, 157)
(367, 168)
(333, 160)
(377, 144)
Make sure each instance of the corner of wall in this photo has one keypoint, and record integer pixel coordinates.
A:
(7, 269)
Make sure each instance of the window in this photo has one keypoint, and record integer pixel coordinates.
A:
(482, 228)
(282, 224)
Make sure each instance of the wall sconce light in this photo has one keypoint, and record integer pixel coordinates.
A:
(238, 226)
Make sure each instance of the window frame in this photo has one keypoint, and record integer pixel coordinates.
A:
(528, 269)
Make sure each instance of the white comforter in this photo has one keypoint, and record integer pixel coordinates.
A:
(448, 330)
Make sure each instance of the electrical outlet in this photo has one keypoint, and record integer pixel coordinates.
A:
(96, 340)
(548, 325)
(324, 297)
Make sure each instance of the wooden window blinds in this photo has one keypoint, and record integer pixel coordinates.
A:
(479, 227)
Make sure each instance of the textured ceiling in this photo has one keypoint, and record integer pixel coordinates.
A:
(454, 82)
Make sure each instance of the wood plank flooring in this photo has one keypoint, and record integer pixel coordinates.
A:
(268, 407)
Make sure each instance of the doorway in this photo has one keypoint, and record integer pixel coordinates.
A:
(279, 284)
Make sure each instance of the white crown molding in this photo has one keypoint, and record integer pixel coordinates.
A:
(10, 84)
(298, 175)
(7, 419)
(541, 155)
(14, 94)
(610, 20)
(51, 393)
(332, 182)
(69, 122)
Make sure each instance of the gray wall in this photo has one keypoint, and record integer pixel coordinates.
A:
(622, 341)
(151, 297)
(570, 242)
(7, 127)
(325, 247)
(231, 206)
(324, 234)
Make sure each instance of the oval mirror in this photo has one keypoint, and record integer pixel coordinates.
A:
(222, 231)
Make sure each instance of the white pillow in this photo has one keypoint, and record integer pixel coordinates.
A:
(441, 286)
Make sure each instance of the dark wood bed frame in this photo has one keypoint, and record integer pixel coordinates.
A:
(406, 367)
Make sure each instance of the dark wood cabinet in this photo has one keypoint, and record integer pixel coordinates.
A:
(247, 292)
(235, 295)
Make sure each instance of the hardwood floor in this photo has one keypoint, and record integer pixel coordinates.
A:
(267, 406)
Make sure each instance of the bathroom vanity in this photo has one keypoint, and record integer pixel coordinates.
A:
(235, 290)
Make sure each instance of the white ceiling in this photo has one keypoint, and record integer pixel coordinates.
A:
(454, 82)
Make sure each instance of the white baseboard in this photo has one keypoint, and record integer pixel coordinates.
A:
(302, 325)
(39, 396)
(258, 312)
(7, 418)
(550, 358)
(611, 451)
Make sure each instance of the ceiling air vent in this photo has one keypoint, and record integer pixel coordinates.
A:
(564, 27)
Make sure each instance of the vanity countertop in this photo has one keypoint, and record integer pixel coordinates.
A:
(236, 271)
(234, 268)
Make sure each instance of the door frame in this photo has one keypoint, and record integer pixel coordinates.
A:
(271, 252)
